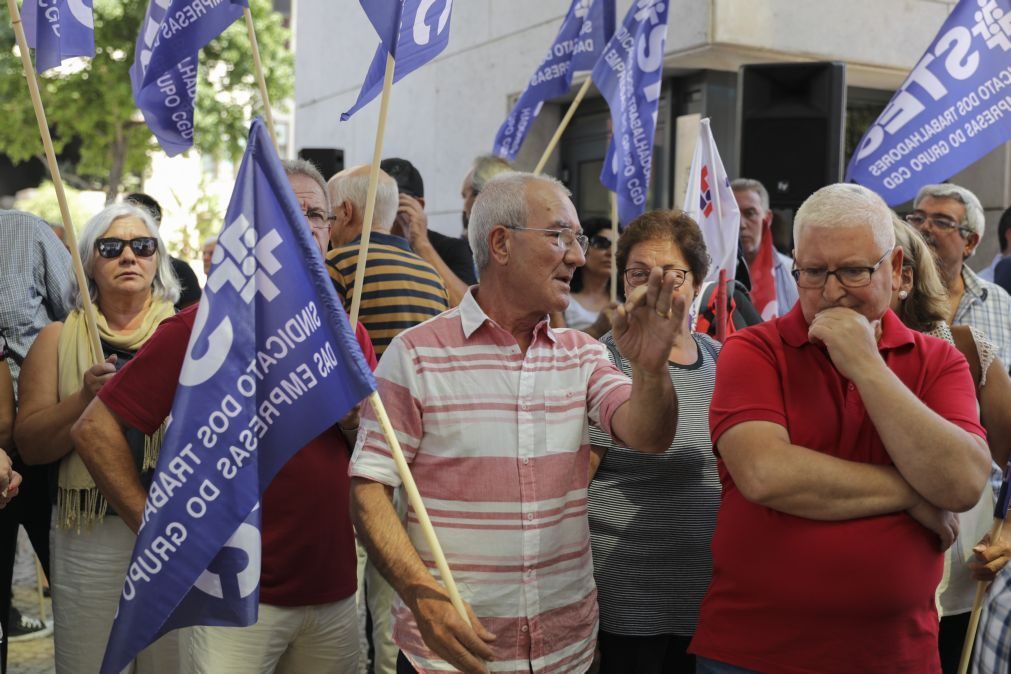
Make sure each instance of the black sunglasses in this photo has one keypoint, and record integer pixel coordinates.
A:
(142, 246)
(600, 242)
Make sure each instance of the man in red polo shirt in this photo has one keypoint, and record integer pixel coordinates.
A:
(307, 620)
(845, 443)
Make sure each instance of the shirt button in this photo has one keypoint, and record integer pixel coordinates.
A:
(530, 517)
(852, 387)
(523, 629)
(526, 461)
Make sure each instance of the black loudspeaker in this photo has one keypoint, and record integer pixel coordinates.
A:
(328, 160)
(790, 122)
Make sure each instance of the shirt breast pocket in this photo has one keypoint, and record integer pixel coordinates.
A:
(565, 427)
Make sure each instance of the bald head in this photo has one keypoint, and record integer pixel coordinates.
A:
(348, 191)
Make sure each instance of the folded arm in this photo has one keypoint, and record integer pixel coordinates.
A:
(101, 442)
(771, 471)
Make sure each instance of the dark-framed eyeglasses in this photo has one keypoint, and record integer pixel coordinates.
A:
(564, 238)
(318, 219)
(598, 242)
(638, 276)
(111, 248)
(939, 222)
(848, 277)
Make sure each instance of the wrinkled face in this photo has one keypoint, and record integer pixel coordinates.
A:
(207, 254)
(834, 247)
(312, 201)
(948, 244)
(666, 254)
(540, 265)
(129, 273)
(753, 219)
(468, 196)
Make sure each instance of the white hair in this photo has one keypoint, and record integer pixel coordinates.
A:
(847, 205)
(304, 167)
(502, 201)
(355, 188)
(165, 284)
(750, 185)
(974, 218)
(486, 167)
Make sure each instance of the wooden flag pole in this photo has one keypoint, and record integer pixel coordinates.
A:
(260, 81)
(370, 198)
(562, 125)
(614, 247)
(54, 171)
(977, 608)
(410, 487)
(414, 498)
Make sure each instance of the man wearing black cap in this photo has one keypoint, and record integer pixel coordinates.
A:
(451, 257)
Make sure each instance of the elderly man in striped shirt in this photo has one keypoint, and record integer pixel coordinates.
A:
(491, 404)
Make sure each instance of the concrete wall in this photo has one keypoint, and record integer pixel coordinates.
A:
(445, 114)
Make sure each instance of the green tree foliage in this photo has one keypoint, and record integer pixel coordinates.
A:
(92, 104)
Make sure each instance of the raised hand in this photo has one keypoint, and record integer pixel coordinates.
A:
(645, 325)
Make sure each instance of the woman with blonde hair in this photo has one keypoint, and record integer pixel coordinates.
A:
(921, 301)
(133, 288)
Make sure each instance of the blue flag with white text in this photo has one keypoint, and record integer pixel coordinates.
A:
(629, 75)
(271, 363)
(413, 31)
(585, 30)
(953, 108)
(164, 71)
(58, 30)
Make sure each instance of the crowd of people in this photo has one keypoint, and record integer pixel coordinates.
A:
(613, 488)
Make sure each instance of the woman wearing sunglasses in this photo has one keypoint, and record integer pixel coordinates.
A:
(133, 289)
(591, 283)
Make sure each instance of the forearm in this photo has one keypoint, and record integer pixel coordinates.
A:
(647, 421)
(100, 442)
(771, 471)
(6, 407)
(43, 435)
(454, 286)
(943, 463)
(388, 545)
(596, 456)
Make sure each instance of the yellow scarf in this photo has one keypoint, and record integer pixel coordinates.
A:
(79, 500)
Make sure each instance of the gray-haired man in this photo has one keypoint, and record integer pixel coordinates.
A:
(950, 218)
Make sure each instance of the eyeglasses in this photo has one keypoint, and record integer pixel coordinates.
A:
(564, 238)
(598, 242)
(848, 277)
(939, 222)
(640, 276)
(142, 246)
(318, 219)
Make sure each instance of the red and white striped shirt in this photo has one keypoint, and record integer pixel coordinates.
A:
(498, 444)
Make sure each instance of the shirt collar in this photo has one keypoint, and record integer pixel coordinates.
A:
(973, 284)
(472, 317)
(383, 237)
(894, 333)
